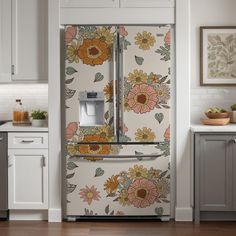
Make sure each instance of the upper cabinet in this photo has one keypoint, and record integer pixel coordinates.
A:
(117, 3)
(90, 3)
(23, 41)
(147, 3)
(5, 41)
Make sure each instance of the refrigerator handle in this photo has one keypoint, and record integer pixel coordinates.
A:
(114, 86)
(121, 63)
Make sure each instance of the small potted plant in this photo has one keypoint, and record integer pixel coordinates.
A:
(38, 118)
(233, 114)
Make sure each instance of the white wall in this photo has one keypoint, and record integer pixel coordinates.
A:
(208, 13)
(34, 96)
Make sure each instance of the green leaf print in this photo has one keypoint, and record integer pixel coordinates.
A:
(139, 60)
(98, 77)
(71, 165)
(70, 70)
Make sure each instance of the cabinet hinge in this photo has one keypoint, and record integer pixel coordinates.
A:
(12, 69)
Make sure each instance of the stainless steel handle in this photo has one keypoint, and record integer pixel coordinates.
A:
(43, 161)
(10, 161)
(119, 156)
(114, 86)
(233, 140)
(27, 141)
(1, 138)
(122, 88)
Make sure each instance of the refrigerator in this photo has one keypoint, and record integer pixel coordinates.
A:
(117, 82)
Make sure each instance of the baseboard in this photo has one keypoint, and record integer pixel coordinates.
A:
(28, 215)
(54, 215)
(183, 214)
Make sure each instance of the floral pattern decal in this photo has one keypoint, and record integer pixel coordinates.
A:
(145, 40)
(89, 194)
(139, 187)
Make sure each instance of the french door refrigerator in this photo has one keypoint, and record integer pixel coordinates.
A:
(117, 121)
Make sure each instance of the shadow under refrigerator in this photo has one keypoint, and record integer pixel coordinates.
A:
(117, 121)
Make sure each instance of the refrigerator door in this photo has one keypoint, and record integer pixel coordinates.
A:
(120, 186)
(144, 83)
(90, 86)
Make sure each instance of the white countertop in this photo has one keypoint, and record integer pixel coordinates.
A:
(8, 127)
(213, 128)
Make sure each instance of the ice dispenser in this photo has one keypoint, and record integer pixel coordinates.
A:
(91, 108)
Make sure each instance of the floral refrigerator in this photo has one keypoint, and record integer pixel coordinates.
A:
(117, 119)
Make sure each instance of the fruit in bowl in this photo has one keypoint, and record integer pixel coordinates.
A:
(216, 113)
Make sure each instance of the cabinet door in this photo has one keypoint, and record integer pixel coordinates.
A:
(90, 3)
(216, 173)
(3, 172)
(234, 172)
(28, 179)
(147, 3)
(5, 41)
(29, 40)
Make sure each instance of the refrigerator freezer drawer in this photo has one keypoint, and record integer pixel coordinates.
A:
(119, 186)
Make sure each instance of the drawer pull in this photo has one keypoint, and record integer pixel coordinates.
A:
(43, 161)
(233, 140)
(27, 141)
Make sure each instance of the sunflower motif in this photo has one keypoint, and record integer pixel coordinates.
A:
(163, 93)
(104, 34)
(138, 172)
(108, 91)
(123, 198)
(111, 185)
(138, 77)
(94, 148)
(94, 52)
(72, 52)
(72, 149)
(145, 40)
(144, 135)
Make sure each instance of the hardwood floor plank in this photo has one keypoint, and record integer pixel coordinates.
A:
(40, 228)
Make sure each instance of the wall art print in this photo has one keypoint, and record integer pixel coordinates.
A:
(218, 55)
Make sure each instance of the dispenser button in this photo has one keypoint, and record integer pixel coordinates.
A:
(92, 95)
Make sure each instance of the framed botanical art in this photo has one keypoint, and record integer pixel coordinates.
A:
(218, 56)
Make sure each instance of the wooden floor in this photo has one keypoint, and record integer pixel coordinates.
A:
(22, 228)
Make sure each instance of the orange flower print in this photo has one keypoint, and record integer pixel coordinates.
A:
(94, 52)
(70, 33)
(167, 38)
(167, 134)
(108, 91)
(89, 194)
(111, 185)
(142, 98)
(71, 130)
(94, 148)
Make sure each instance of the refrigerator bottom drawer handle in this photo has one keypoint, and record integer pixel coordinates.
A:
(120, 156)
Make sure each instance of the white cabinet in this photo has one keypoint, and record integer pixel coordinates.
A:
(5, 41)
(23, 41)
(117, 3)
(89, 3)
(29, 40)
(147, 3)
(27, 172)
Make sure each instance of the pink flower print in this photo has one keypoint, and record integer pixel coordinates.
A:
(123, 32)
(71, 130)
(89, 194)
(167, 38)
(142, 193)
(142, 98)
(167, 134)
(70, 33)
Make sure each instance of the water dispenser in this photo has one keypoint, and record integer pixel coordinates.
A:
(91, 108)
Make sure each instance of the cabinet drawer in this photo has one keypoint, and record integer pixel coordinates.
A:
(28, 140)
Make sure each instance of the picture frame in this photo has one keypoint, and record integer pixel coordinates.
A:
(218, 55)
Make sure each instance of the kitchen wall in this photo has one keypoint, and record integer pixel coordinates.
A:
(208, 13)
(34, 96)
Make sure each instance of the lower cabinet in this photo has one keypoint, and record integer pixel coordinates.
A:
(27, 172)
(215, 177)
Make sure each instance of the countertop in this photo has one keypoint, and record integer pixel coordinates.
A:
(8, 127)
(211, 128)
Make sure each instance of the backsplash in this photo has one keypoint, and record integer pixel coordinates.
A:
(33, 96)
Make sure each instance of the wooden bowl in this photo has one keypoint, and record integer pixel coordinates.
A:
(217, 115)
(221, 121)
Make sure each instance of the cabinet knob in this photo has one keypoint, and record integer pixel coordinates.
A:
(233, 140)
